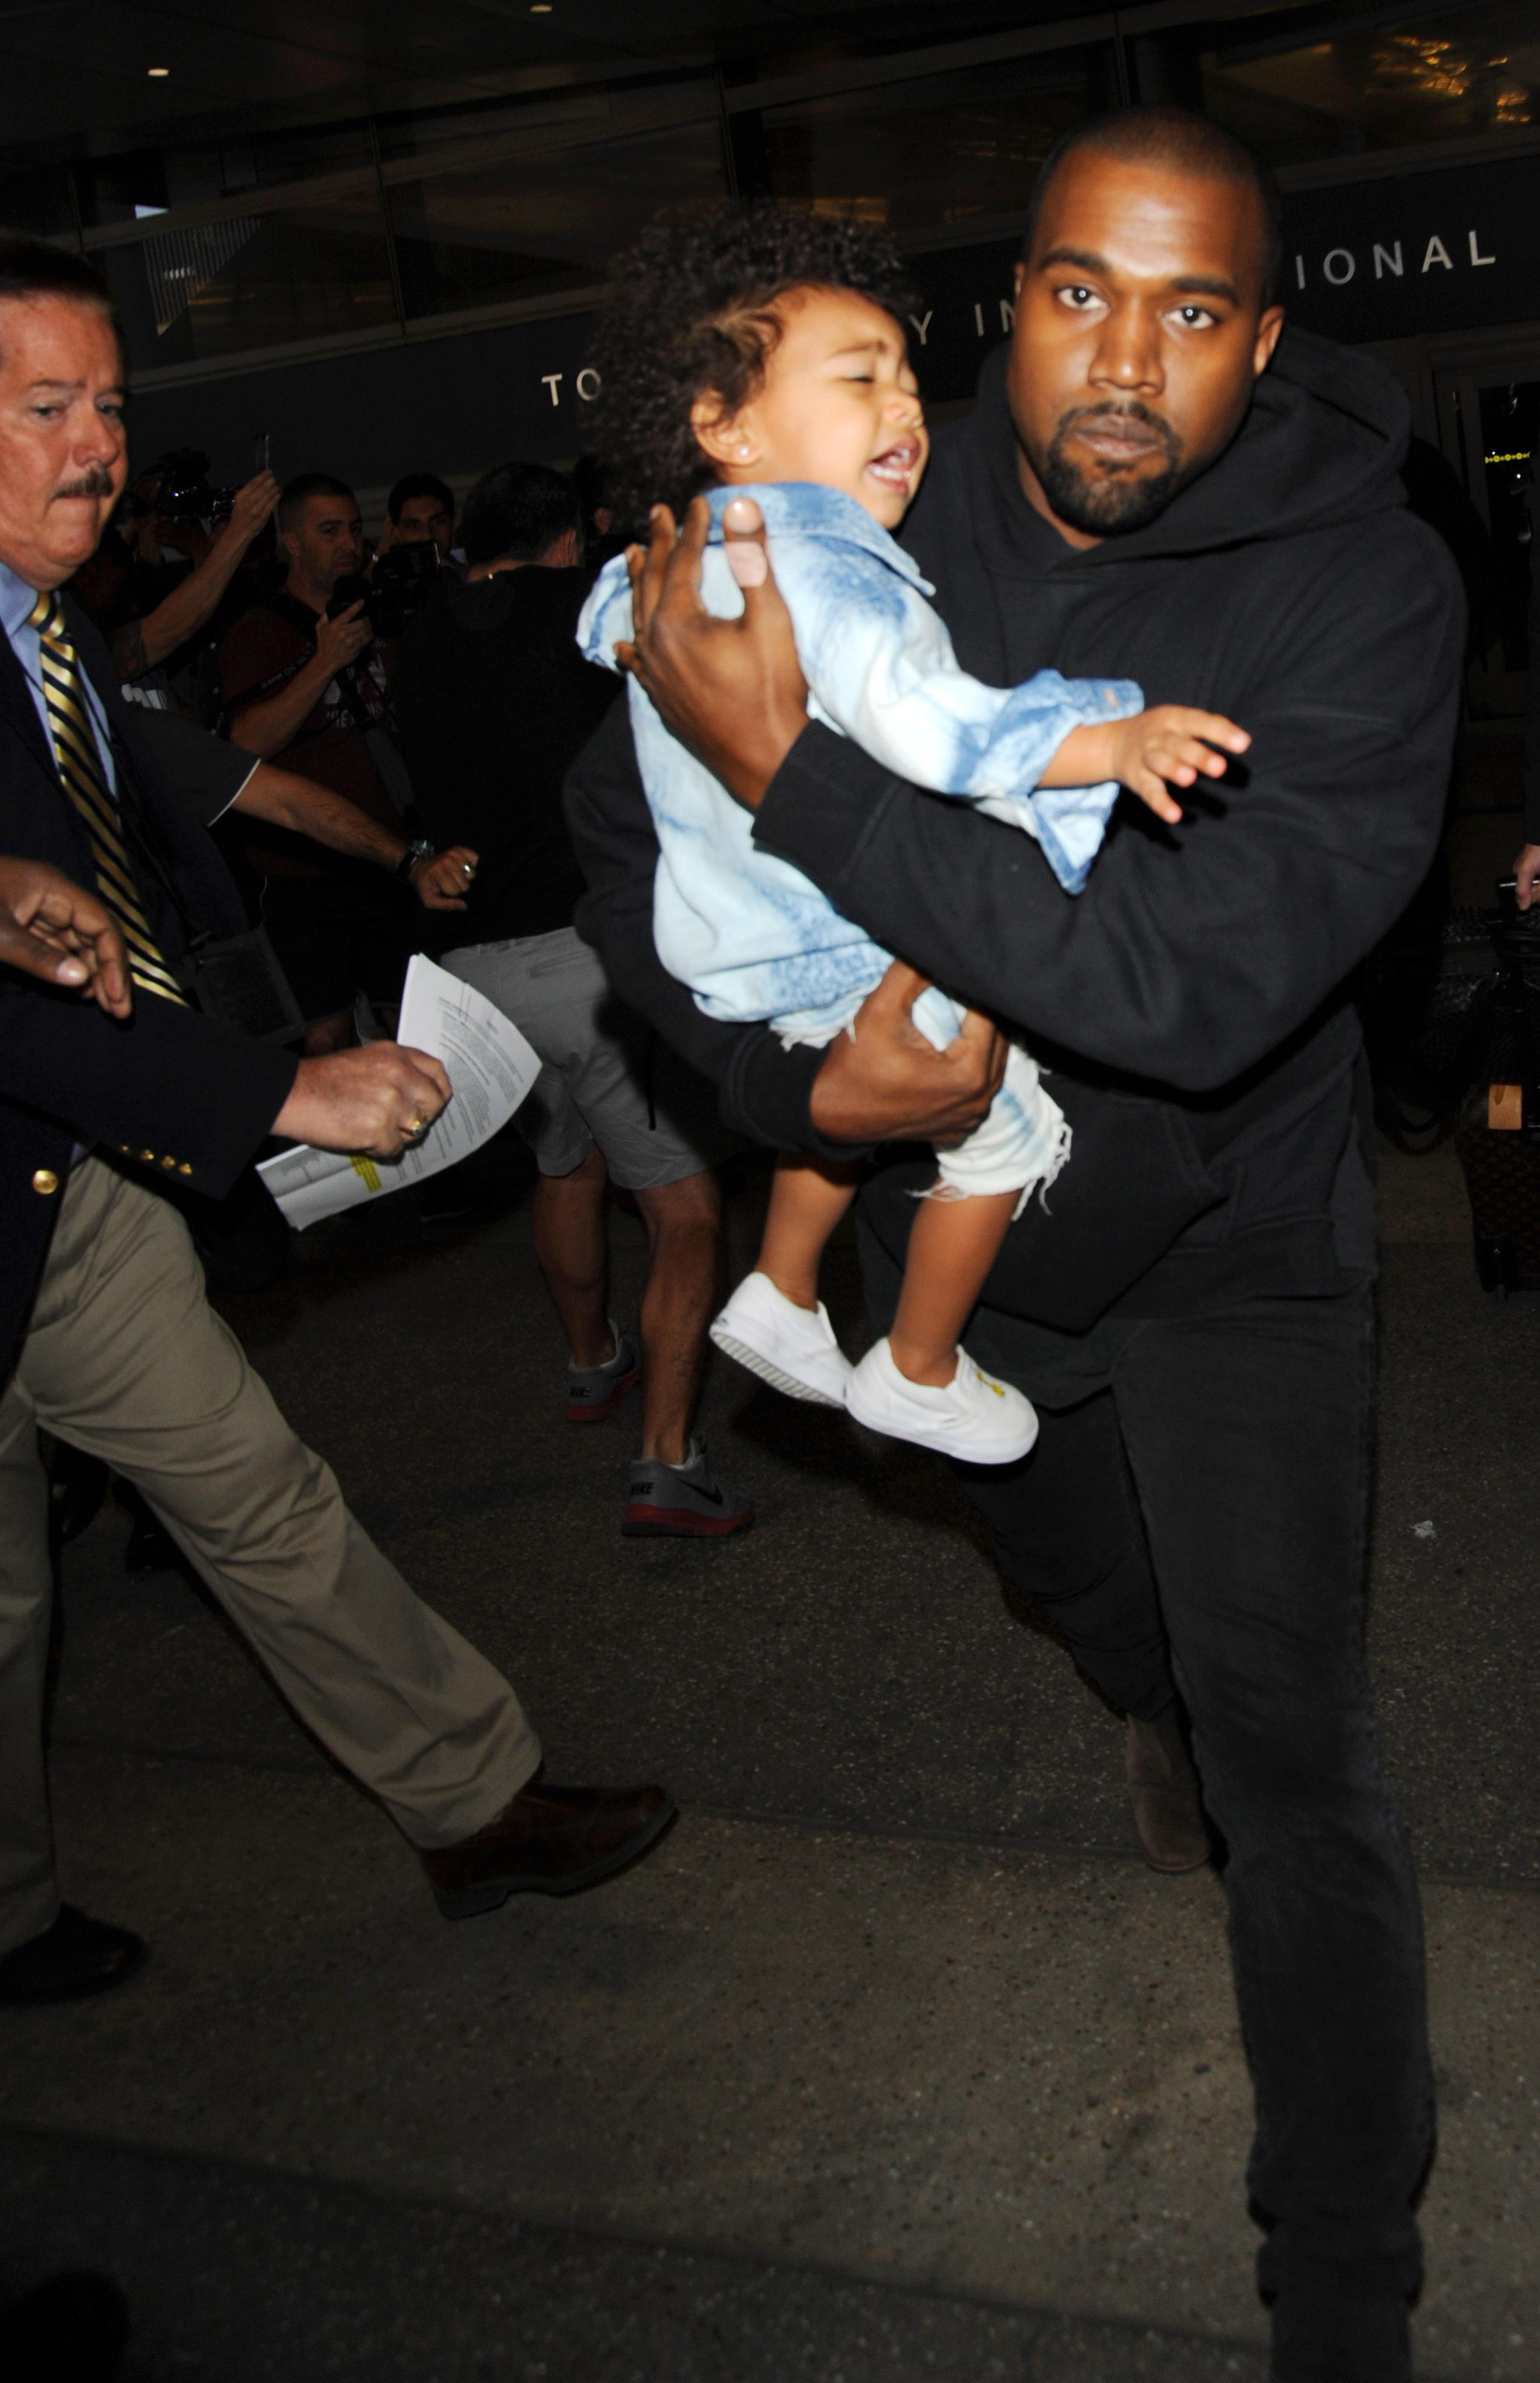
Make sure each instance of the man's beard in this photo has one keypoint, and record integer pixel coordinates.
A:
(1111, 502)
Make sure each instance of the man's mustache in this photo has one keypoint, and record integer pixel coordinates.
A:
(97, 482)
(1132, 412)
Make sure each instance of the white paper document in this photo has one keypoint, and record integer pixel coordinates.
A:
(490, 1067)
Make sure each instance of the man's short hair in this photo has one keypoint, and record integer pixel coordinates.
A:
(1184, 142)
(419, 483)
(35, 268)
(309, 483)
(516, 514)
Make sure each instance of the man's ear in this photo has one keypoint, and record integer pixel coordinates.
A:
(1270, 323)
(1018, 279)
(723, 437)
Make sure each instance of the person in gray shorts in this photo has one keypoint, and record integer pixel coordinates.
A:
(494, 702)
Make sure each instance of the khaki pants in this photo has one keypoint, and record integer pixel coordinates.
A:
(126, 1361)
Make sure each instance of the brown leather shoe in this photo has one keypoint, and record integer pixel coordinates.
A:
(549, 1841)
(1164, 1791)
(76, 1956)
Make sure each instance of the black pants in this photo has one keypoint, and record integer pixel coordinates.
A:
(1221, 1484)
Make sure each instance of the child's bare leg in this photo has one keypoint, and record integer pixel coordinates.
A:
(808, 1196)
(952, 1248)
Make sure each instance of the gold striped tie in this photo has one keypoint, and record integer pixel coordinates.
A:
(79, 757)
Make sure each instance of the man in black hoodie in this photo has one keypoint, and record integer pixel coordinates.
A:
(1146, 488)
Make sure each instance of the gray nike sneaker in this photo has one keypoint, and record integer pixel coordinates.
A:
(594, 1391)
(683, 1501)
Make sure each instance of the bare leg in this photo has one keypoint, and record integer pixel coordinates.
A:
(572, 1247)
(807, 1198)
(952, 1248)
(684, 1222)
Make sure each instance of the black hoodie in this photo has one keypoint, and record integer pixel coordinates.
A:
(1193, 1002)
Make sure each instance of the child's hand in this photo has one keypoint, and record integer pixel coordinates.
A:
(1172, 744)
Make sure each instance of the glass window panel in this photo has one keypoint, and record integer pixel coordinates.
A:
(597, 111)
(931, 157)
(253, 281)
(114, 190)
(528, 225)
(1442, 77)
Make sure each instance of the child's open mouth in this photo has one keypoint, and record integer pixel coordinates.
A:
(895, 465)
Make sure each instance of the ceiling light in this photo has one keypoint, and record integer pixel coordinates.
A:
(539, 7)
(158, 73)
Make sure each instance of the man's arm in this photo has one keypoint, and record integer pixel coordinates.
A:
(265, 725)
(138, 646)
(178, 1093)
(168, 1088)
(210, 778)
(327, 818)
(1184, 962)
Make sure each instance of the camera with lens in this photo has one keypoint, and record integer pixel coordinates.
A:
(184, 493)
(404, 577)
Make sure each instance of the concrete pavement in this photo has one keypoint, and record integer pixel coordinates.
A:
(894, 2061)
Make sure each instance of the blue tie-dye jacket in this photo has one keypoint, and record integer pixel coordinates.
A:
(751, 936)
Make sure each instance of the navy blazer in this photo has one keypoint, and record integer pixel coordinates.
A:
(169, 1093)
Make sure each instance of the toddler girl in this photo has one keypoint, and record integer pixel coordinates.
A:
(764, 354)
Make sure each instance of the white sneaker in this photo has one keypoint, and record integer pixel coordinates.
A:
(975, 1417)
(790, 1348)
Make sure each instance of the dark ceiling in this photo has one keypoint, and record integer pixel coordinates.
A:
(74, 78)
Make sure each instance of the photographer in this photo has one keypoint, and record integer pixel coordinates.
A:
(140, 647)
(420, 508)
(306, 684)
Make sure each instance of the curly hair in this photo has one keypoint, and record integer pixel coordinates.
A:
(692, 311)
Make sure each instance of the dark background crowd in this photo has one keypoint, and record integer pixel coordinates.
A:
(270, 614)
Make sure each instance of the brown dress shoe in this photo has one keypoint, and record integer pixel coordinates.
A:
(1164, 1791)
(549, 1841)
(76, 1956)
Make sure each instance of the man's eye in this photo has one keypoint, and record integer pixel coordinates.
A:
(1077, 296)
(1195, 319)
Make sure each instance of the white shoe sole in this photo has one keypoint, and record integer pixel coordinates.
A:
(769, 1371)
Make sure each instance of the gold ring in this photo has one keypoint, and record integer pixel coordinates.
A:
(413, 1127)
(468, 868)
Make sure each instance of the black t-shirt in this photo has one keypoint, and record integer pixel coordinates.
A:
(494, 703)
(203, 770)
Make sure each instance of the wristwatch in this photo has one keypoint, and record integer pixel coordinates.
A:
(418, 849)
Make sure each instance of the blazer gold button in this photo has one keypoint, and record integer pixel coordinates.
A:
(184, 1168)
(148, 1157)
(45, 1181)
